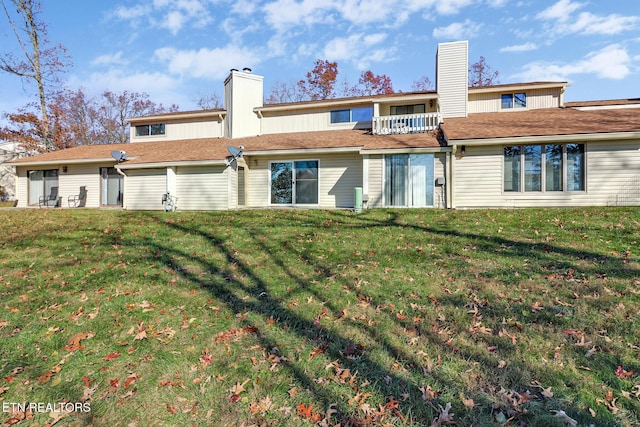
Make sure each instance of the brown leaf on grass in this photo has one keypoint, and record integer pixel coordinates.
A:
(205, 357)
(171, 409)
(444, 418)
(623, 373)
(316, 352)
(238, 388)
(75, 342)
(56, 417)
(132, 378)
(111, 356)
(306, 411)
(88, 392)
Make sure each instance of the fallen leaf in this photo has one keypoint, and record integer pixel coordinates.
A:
(111, 356)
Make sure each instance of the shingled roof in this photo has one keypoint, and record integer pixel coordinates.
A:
(215, 149)
(543, 122)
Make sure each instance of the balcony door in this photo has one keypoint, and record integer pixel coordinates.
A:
(294, 182)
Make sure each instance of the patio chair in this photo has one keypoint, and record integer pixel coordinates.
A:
(52, 200)
(78, 200)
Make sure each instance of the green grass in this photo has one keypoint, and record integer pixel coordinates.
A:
(290, 317)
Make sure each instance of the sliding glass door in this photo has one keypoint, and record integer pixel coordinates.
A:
(409, 180)
(294, 183)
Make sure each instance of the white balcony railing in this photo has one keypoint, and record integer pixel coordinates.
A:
(407, 123)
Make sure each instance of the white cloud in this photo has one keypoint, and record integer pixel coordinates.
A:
(206, 63)
(174, 21)
(109, 59)
(559, 11)
(452, 7)
(174, 14)
(359, 49)
(564, 20)
(458, 30)
(520, 47)
(284, 13)
(612, 62)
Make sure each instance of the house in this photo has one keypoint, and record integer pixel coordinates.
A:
(8, 151)
(512, 145)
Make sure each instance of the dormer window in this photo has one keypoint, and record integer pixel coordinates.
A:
(149, 130)
(514, 100)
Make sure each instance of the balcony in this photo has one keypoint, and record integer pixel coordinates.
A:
(407, 123)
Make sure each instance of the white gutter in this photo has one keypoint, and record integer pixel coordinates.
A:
(406, 150)
(302, 151)
(63, 162)
(171, 164)
(516, 140)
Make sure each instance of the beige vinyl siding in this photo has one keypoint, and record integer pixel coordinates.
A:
(22, 184)
(78, 176)
(376, 181)
(492, 102)
(338, 176)
(609, 167)
(189, 129)
(143, 189)
(452, 81)
(440, 171)
(203, 188)
(308, 120)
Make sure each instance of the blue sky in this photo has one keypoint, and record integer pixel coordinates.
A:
(179, 50)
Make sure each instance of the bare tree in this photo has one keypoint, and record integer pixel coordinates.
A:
(38, 63)
(423, 84)
(116, 108)
(481, 74)
(209, 102)
(284, 92)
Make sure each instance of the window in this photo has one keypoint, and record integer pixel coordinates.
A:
(148, 130)
(43, 184)
(409, 180)
(397, 110)
(362, 114)
(537, 168)
(112, 187)
(514, 100)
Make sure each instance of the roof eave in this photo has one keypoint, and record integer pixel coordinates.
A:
(62, 162)
(518, 140)
(299, 151)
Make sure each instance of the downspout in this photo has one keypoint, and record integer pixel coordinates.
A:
(124, 206)
(450, 191)
(261, 117)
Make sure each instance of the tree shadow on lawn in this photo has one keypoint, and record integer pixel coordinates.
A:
(221, 283)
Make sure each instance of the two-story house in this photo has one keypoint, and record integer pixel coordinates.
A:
(512, 145)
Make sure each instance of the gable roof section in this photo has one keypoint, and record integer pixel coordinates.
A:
(214, 150)
(549, 122)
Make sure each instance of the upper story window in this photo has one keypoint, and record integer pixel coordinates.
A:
(514, 100)
(397, 110)
(148, 130)
(362, 114)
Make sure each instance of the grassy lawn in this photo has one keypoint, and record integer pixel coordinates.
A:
(390, 317)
